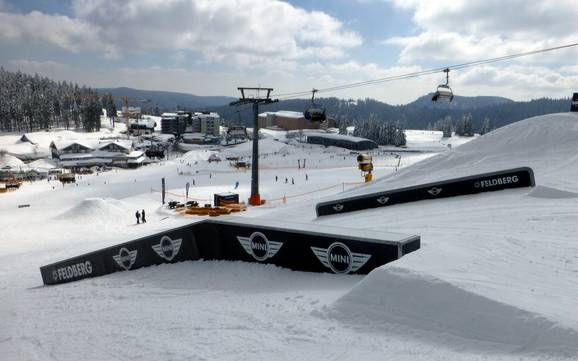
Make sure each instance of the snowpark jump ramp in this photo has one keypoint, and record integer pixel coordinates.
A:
(487, 182)
(297, 246)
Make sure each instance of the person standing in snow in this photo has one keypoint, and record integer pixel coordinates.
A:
(236, 184)
(137, 214)
(143, 216)
(292, 180)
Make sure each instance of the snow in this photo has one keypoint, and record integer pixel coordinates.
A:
(42, 164)
(433, 140)
(7, 160)
(496, 277)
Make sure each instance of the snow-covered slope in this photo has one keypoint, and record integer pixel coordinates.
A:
(547, 144)
(498, 268)
(496, 277)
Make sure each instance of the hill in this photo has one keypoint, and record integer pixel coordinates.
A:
(492, 268)
(165, 100)
(460, 102)
(419, 114)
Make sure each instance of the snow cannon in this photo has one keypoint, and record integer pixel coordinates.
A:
(365, 165)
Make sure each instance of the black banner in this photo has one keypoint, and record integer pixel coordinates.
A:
(302, 247)
(167, 247)
(487, 182)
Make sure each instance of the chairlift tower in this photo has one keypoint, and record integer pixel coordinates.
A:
(255, 96)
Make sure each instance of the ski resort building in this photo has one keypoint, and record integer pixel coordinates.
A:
(174, 123)
(341, 141)
(71, 154)
(206, 123)
(142, 126)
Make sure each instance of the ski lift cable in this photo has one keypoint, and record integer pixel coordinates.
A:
(284, 96)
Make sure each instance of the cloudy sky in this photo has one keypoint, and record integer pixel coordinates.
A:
(210, 47)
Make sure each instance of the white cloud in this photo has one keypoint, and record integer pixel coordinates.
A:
(51, 30)
(471, 29)
(452, 32)
(213, 28)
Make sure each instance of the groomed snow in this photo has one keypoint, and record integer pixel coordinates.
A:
(496, 277)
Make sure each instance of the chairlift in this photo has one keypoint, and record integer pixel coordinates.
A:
(315, 113)
(444, 92)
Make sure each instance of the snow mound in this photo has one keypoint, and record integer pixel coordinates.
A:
(42, 164)
(199, 155)
(102, 210)
(402, 301)
(545, 143)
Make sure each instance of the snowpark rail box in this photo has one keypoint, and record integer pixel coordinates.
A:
(297, 246)
(487, 182)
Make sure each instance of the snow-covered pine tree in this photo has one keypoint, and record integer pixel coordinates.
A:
(485, 126)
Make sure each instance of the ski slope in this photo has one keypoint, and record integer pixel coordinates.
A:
(496, 277)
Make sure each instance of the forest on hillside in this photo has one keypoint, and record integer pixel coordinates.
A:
(31, 102)
(410, 116)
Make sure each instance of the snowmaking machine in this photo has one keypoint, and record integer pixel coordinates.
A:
(365, 165)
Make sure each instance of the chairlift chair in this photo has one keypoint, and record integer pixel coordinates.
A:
(315, 113)
(444, 93)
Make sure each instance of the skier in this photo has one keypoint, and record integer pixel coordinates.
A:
(137, 214)
(286, 180)
(143, 216)
(276, 178)
(306, 177)
(292, 180)
(236, 184)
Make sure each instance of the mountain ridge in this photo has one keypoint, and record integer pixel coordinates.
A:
(167, 99)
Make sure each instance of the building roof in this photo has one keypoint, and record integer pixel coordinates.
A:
(63, 144)
(101, 154)
(284, 113)
(121, 143)
(342, 137)
(209, 115)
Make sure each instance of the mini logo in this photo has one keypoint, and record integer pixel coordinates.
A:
(477, 185)
(338, 207)
(258, 246)
(168, 248)
(435, 191)
(382, 200)
(125, 258)
(340, 259)
(55, 275)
